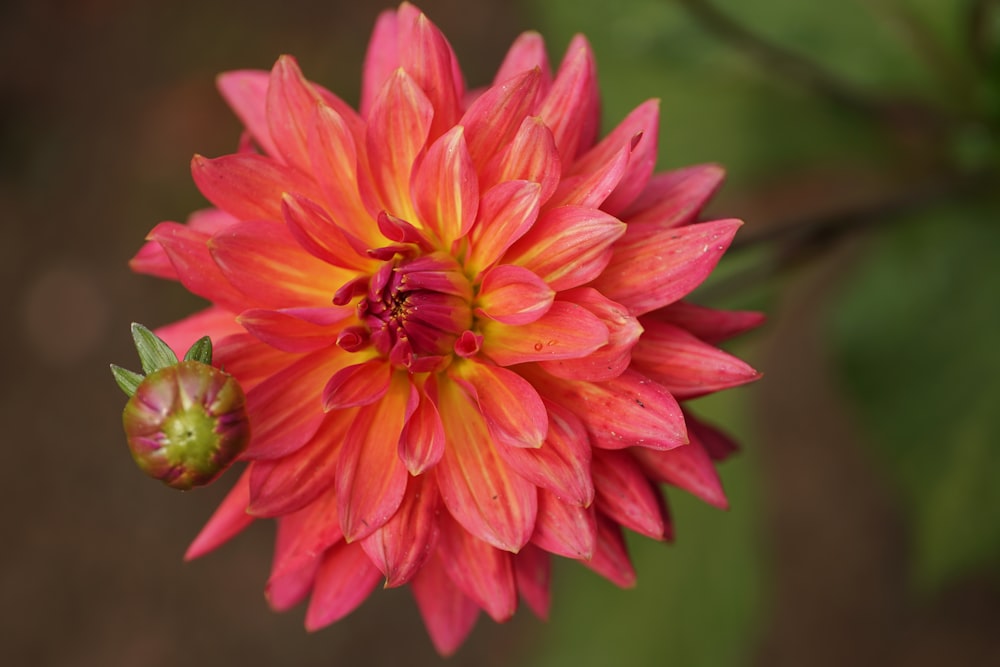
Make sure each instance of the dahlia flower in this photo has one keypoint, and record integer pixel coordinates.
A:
(458, 318)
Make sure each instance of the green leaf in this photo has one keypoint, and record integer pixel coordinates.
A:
(916, 334)
(128, 380)
(200, 351)
(153, 352)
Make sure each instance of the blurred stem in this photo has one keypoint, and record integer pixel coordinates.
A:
(775, 58)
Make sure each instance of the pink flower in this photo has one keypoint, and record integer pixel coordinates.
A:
(457, 315)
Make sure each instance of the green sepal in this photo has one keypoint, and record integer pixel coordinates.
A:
(153, 352)
(128, 380)
(201, 351)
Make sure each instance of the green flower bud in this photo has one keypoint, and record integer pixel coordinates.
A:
(186, 421)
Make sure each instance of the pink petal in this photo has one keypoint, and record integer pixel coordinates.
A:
(249, 360)
(478, 488)
(533, 572)
(565, 331)
(227, 521)
(563, 528)
(292, 586)
(675, 198)
(628, 411)
(445, 189)
(572, 107)
(610, 360)
(344, 579)
(513, 295)
(479, 570)
(639, 132)
(213, 322)
(249, 186)
(651, 271)
(187, 250)
(246, 93)
(358, 384)
(381, 59)
(710, 325)
(495, 117)
(426, 56)
(562, 463)
(506, 212)
(264, 261)
(304, 536)
(686, 366)
(401, 546)
(688, 467)
(291, 103)
(285, 485)
(568, 246)
(371, 480)
(319, 235)
(718, 445)
(398, 127)
(526, 53)
(295, 329)
(625, 494)
(530, 156)
(422, 442)
(151, 260)
(512, 409)
(448, 613)
(287, 407)
(611, 558)
(589, 189)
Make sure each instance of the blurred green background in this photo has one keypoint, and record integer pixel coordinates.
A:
(860, 140)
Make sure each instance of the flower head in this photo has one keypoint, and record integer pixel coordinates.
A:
(458, 317)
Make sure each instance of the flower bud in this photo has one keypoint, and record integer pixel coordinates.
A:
(186, 421)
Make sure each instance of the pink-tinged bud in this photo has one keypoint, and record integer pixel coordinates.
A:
(186, 423)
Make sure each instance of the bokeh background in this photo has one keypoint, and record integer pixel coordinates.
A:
(860, 138)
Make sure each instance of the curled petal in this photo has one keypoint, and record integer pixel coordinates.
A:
(628, 411)
(513, 410)
(680, 259)
(343, 581)
(489, 499)
(358, 384)
(565, 331)
(562, 463)
(371, 479)
(422, 442)
(568, 246)
(321, 237)
(563, 528)
(506, 212)
(445, 189)
(482, 572)
(401, 546)
(513, 295)
(227, 521)
(625, 494)
(448, 613)
(686, 366)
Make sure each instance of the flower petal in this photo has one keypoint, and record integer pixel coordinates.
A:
(626, 495)
(512, 409)
(249, 186)
(481, 571)
(568, 246)
(228, 520)
(358, 384)
(533, 573)
(710, 325)
(717, 444)
(214, 322)
(319, 235)
(563, 528)
(285, 485)
(295, 329)
(381, 58)
(562, 463)
(680, 259)
(589, 189)
(264, 261)
(426, 55)
(513, 295)
(478, 488)
(343, 581)
(526, 53)
(291, 103)
(628, 411)
(304, 536)
(247, 359)
(445, 189)
(572, 107)
(565, 331)
(686, 366)
(506, 212)
(246, 93)
(371, 480)
(610, 360)
(448, 613)
(611, 559)
(530, 156)
(403, 544)
(495, 117)
(688, 467)
(422, 442)
(675, 198)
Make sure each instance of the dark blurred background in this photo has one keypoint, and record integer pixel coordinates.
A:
(860, 139)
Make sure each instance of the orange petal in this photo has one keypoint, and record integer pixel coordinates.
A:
(401, 546)
(565, 331)
(422, 442)
(513, 295)
(291, 102)
(530, 156)
(563, 528)
(358, 384)
(512, 409)
(494, 118)
(445, 189)
(426, 55)
(506, 212)
(295, 329)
